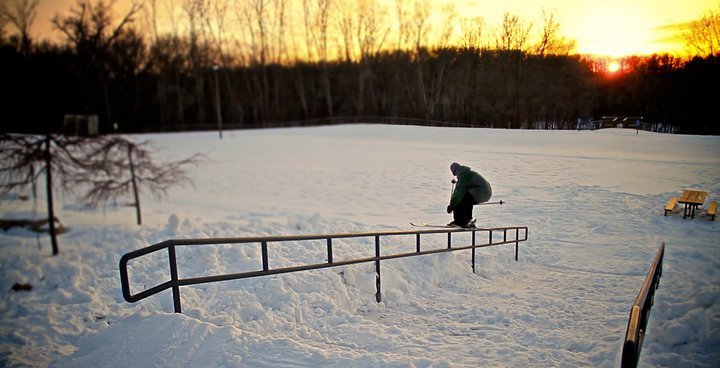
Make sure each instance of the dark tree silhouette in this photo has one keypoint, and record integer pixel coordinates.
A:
(21, 14)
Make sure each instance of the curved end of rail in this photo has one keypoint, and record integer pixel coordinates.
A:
(124, 281)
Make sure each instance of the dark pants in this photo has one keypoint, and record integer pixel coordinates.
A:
(462, 213)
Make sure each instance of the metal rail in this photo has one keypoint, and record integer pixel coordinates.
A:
(175, 282)
(640, 312)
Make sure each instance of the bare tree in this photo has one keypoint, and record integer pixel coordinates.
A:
(317, 27)
(25, 158)
(279, 28)
(511, 39)
(368, 27)
(413, 23)
(310, 54)
(199, 56)
(94, 23)
(264, 22)
(322, 26)
(214, 22)
(116, 166)
(472, 32)
(403, 23)
(702, 36)
(265, 25)
(418, 29)
(91, 31)
(21, 14)
(513, 33)
(447, 29)
(347, 24)
(420, 23)
(551, 42)
(254, 15)
(107, 167)
(372, 27)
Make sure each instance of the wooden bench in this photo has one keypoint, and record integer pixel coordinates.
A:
(712, 210)
(670, 205)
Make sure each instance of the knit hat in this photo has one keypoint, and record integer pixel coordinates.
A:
(453, 167)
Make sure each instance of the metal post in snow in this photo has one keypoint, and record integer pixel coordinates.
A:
(138, 213)
(50, 203)
(264, 255)
(217, 99)
(378, 296)
(517, 243)
(174, 279)
(473, 251)
(329, 250)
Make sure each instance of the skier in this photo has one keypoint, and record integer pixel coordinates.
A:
(470, 190)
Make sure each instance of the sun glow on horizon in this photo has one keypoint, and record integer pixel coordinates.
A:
(613, 67)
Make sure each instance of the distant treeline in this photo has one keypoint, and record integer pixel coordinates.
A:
(139, 83)
(141, 92)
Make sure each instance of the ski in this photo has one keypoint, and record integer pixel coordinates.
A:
(470, 225)
(425, 224)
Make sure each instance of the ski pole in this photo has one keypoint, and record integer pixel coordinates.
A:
(499, 202)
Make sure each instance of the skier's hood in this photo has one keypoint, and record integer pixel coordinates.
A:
(458, 169)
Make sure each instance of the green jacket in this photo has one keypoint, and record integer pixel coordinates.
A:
(469, 181)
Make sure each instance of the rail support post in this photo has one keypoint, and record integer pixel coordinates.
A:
(378, 296)
(473, 251)
(329, 250)
(264, 250)
(174, 278)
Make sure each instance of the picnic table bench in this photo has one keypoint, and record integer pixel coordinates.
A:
(670, 205)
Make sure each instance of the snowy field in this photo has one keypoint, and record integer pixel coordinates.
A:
(592, 200)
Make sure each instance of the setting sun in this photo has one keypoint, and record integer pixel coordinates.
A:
(613, 67)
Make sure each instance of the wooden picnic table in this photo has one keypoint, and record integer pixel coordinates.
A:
(692, 199)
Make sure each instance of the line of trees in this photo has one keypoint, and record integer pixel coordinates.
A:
(351, 59)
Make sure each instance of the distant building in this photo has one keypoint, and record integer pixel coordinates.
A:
(81, 125)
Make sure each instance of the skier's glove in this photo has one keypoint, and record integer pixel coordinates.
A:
(449, 208)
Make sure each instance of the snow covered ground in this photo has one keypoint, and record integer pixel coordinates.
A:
(592, 201)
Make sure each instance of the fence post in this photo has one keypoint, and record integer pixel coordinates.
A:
(449, 240)
(417, 242)
(174, 279)
(378, 296)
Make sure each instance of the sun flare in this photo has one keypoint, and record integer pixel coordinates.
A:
(613, 67)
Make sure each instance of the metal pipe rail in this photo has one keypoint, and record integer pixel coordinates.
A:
(640, 312)
(175, 282)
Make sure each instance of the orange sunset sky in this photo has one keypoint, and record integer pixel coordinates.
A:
(600, 27)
